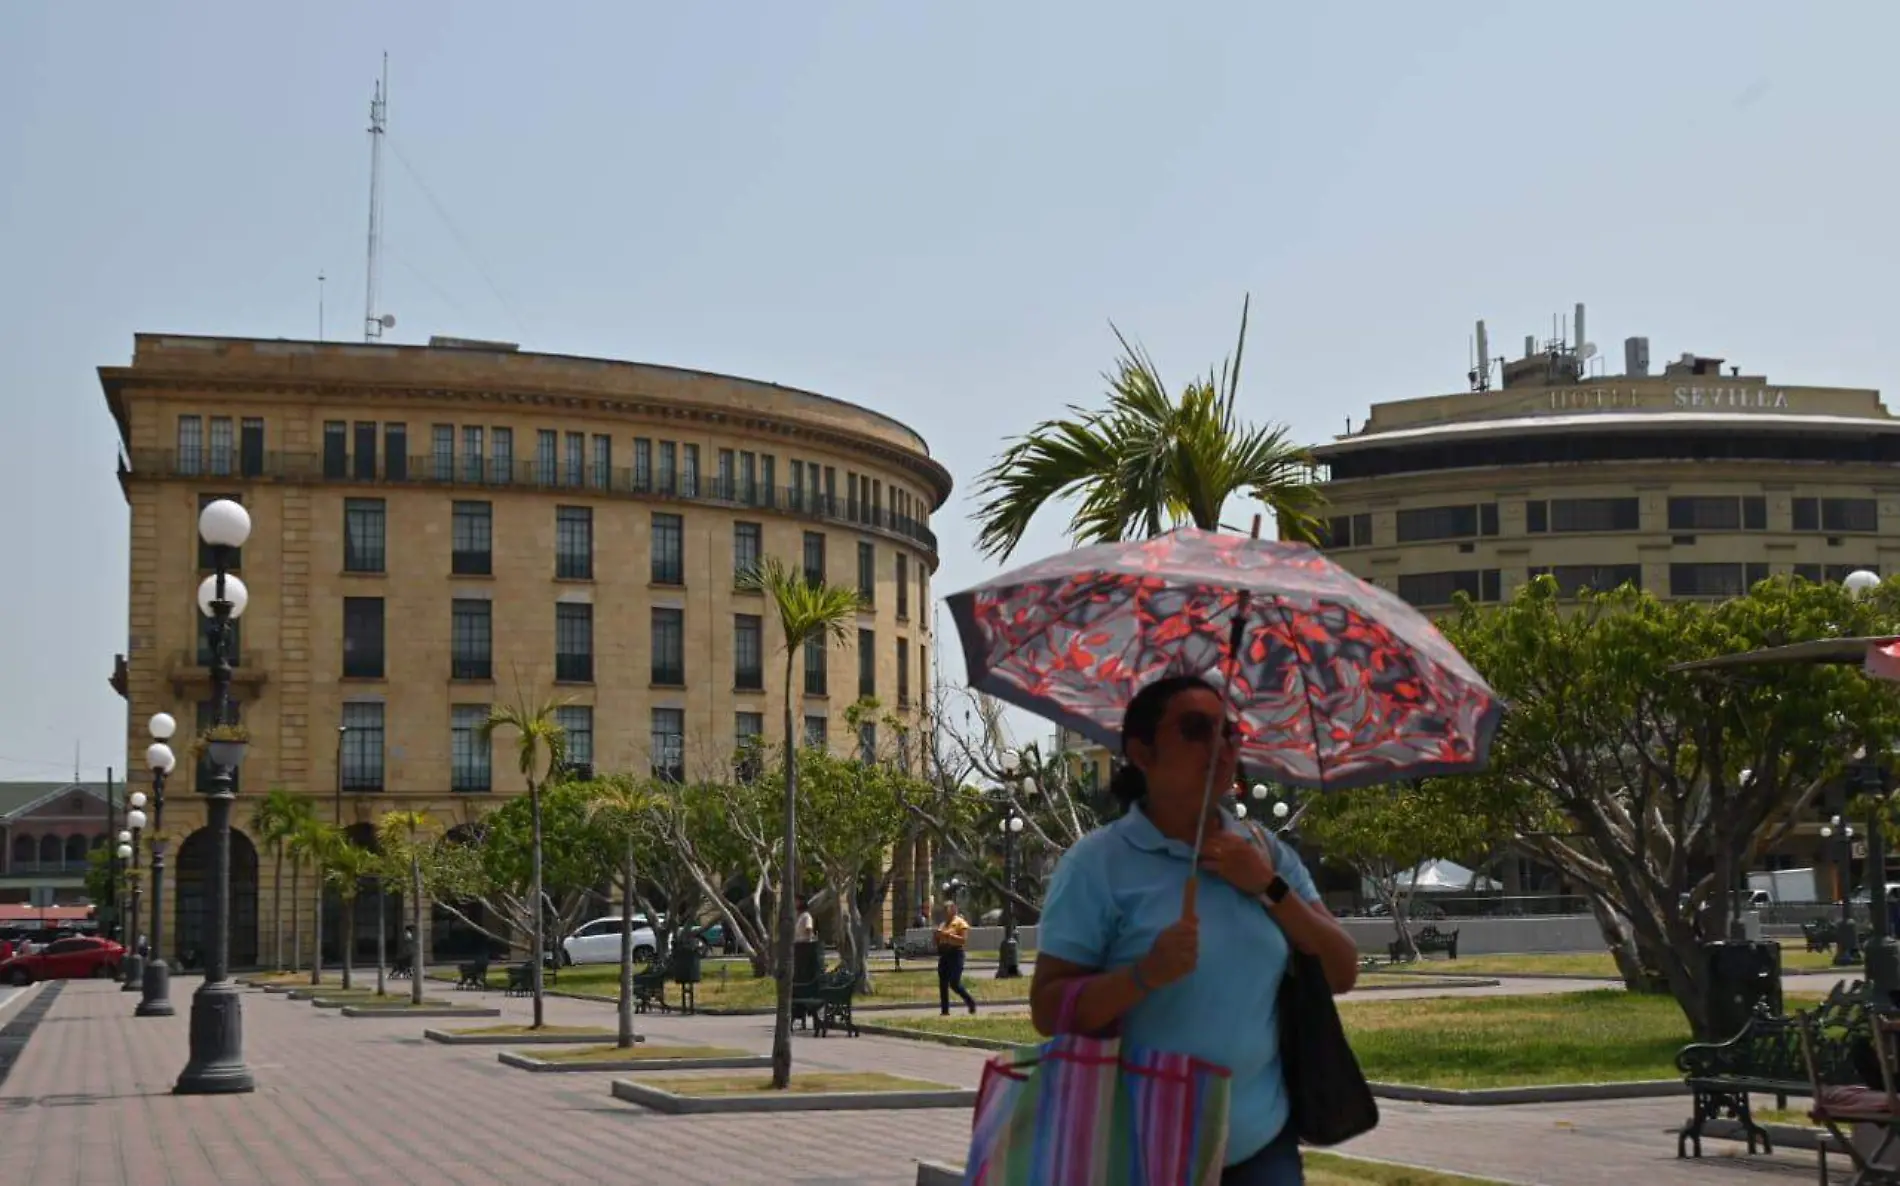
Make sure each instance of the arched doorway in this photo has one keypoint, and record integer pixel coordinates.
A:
(368, 905)
(451, 937)
(192, 937)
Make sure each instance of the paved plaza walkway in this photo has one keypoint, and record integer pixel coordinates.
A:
(341, 1100)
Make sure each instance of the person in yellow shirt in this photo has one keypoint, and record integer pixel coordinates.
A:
(952, 936)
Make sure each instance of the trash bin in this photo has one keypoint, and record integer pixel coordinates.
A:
(686, 957)
(1743, 979)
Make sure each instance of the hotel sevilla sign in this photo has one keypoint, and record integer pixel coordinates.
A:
(1679, 399)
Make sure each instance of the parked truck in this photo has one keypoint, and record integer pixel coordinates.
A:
(1784, 886)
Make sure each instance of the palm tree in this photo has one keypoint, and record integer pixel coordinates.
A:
(1148, 462)
(537, 733)
(622, 804)
(346, 870)
(273, 820)
(407, 836)
(815, 613)
(315, 842)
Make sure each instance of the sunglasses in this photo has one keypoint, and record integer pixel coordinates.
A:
(1199, 728)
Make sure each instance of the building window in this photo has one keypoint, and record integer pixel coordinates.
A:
(867, 742)
(817, 730)
(364, 467)
(669, 561)
(336, 449)
(1442, 588)
(472, 453)
(603, 462)
(749, 478)
(501, 456)
(748, 652)
(669, 647)
(1718, 512)
(903, 674)
(669, 744)
(1582, 514)
(669, 464)
(1837, 516)
(574, 643)
(362, 747)
(817, 665)
(689, 471)
(723, 487)
(903, 586)
(768, 478)
(576, 459)
(748, 738)
(207, 554)
(395, 452)
(867, 573)
(221, 446)
(1349, 531)
(362, 638)
(471, 639)
(642, 464)
(867, 663)
(1598, 578)
(472, 540)
(577, 738)
(748, 542)
(251, 447)
(442, 437)
(574, 543)
(546, 458)
(814, 558)
(191, 443)
(1419, 524)
(1714, 580)
(363, 535)
(470, 767)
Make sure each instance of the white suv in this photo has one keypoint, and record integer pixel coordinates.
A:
(598, 942)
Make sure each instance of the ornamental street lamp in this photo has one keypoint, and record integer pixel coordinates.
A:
(156, 1000)
(134, 962)
(1846, 941)
(1007, 965)
(217, 1018)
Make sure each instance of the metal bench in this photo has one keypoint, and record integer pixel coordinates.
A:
(827, 1002)
(1427, 940)
(473, 974)
(649, 988)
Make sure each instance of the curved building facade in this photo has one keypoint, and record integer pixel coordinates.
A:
(439, 529)
(1696, 482)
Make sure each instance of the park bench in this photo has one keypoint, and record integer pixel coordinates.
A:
(1819, 935)
(1863, 1122)
(1768, 1058)
(520, 983)
(826, 1001)
(473, 974)
(1426, 940)
(649, 987)
(921, 947)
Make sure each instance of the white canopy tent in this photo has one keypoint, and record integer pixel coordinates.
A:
(1445, 877)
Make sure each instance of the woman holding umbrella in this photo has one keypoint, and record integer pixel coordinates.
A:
(1205, 982)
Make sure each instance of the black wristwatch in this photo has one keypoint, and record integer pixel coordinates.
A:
(1276, 890)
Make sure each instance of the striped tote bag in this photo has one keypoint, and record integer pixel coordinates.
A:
(1097, 1111)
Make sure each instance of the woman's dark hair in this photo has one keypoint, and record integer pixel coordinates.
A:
(1140, 722)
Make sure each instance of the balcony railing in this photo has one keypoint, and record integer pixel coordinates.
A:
(423, 470)
(46, 868)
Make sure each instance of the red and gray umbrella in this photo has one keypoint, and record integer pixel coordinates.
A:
(1337, 683)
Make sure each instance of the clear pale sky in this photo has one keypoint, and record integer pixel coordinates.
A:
(932, 209)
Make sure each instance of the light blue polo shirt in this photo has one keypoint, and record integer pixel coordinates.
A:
(1116, 890)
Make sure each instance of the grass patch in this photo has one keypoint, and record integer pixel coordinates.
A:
(1597, 964)
(398, 1004)
(739, 989)
(638, 1053)
(803, 1083)
(1463, 1043)
(522, 1030)
(1799, 1118)
(1330, 1169)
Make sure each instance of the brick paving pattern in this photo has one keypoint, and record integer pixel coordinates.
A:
(368, 1101)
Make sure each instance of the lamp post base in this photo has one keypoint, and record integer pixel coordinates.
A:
(217, 1043)
(1007, 965)
(134, 974)
(157, 983)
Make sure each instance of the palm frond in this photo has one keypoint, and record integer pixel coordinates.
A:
(808, 611)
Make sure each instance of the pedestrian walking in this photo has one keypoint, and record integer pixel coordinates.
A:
(952, 937)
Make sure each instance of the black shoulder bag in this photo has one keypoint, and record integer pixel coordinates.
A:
(1328, 1095)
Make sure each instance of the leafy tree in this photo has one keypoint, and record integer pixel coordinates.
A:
(722, 831)
(1147, 462)
(1643, 784)
(852, 816)
(540, 746)
(274, 819)
(411, 839)
(313, 842)
(810, 613)
(346, 870)
(620, 806)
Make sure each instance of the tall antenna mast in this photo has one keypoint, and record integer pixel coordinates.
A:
(319, 306)
(373, 324)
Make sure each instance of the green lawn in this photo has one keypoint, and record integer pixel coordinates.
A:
(803, 1083)
(637, 1053)
(739, 989)
(1330, 1169)
(1597, 964)
(1600, 1036)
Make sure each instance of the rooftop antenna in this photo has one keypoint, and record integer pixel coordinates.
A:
(319, 306)
(373, 323)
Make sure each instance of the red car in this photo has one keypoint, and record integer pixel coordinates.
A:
(65, 959)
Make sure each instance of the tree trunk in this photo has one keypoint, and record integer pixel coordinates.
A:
(382, 936)
(1621, 940)
(625, 1039)
(349, 939)
(296, 915)
(316, 954)
(277, 908)
(417, 960)
(787, 894)
(538, 906)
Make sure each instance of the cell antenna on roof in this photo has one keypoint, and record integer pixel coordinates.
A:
(373, 323)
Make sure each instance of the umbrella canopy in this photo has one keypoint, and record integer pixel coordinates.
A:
(1338, 683)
